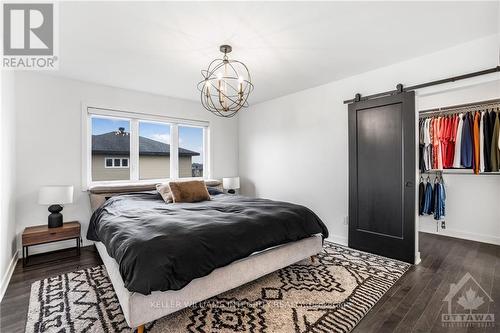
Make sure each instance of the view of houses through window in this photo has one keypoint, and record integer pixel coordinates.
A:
(154, 150)
(190, 140)
(111, 146)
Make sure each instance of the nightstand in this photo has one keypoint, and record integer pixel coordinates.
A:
(42, 234)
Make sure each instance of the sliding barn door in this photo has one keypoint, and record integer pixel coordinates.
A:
(382, 176)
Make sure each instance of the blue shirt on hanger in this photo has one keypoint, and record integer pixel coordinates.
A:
(428, 199)
(439, 199)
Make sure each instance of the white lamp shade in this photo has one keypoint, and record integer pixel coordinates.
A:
(55, 195)
(231, 183)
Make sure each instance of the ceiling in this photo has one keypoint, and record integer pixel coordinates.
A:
(160, 47)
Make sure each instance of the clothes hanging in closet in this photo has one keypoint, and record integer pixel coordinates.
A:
(466, 140)
(487, 131)
(495, 152)
(432, 199)
(427, 156)
(481, 142)
(451, 138)
(428, 200)
(466, 150)
(439, 201)
(421, 144)
(475, 148)
(458, 142)
(421, 197)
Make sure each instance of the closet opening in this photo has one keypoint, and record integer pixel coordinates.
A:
(459, 168)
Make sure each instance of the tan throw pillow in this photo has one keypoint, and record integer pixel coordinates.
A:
(189, 191)
(165, 193)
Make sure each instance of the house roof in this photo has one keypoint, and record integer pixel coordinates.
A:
(113, 144)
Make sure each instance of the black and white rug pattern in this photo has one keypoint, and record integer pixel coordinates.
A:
(331, 294)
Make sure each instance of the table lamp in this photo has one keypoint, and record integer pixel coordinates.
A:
(231, 184)
(55, 196)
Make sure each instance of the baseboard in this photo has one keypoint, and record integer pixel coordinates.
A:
(418, 260)
(6, 278)
(338, 239)
(466, 235)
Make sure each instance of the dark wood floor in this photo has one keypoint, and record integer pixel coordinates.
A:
(14, 306)
(413, 304)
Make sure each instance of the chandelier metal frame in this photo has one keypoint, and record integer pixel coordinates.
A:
(226, 85)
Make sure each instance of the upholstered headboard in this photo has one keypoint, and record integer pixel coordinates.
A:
(98, 194)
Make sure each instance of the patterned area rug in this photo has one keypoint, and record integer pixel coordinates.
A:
(330, 295)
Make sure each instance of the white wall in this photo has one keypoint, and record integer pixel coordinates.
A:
(49, 139)
(472, 209)
(294, 148)
(7, 180)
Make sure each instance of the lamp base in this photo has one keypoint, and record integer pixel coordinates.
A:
(55, 218)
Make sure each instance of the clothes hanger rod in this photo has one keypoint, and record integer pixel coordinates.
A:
(461, 172)
(460, 106)
(479, 106)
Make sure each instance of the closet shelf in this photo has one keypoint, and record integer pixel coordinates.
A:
(460, 172)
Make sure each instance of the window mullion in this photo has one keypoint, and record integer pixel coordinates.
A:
(174, 148)
(134, 150)
(206, 154)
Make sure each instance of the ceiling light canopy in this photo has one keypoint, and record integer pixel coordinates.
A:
(226, 85)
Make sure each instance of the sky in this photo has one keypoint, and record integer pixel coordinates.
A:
(189, 137)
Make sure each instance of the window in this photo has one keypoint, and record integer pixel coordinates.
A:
(110, 145)
(190, 151)
(126, 147)
(154, 150)
(110, 162)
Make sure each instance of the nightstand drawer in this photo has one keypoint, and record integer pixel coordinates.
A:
(46, 237)
(42, 234)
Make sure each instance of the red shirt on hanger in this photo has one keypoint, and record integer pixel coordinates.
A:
(453, 138)
(444, 140)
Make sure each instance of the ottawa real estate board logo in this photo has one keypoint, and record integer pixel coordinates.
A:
(469, 305)
(29, 36)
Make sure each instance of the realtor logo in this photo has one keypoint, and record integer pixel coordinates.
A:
(29, 36)
(468, 305)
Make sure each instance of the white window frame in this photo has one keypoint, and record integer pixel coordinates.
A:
(113, 166)
(90, 110)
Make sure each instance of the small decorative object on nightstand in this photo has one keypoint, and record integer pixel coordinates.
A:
(42, 234)
(55, 196)
(231, 184)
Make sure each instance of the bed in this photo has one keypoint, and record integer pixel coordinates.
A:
(164, 257)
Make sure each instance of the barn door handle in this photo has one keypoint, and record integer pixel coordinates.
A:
(409, 183)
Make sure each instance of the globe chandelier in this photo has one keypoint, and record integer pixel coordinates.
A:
(226, 85)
